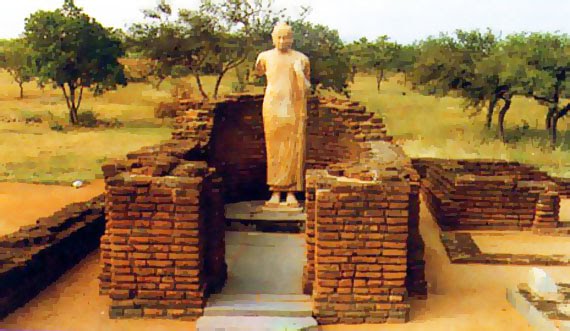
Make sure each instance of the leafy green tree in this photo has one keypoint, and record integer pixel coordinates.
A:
(469, 63)
(353, 52)
(74, 51)
(16, 58)
(378, 56)
(224, 35)
(330, 65)
(404, 59)
(491, 86)
(544, 72)
(216, 38)
(161, 41)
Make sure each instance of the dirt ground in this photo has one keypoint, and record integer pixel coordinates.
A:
(22, 204)
(461, 297)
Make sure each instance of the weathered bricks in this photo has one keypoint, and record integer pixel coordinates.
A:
(489, 194)
(36, 255)
(163, 248)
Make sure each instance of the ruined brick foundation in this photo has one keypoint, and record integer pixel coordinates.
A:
(490, 195)
(163, 251)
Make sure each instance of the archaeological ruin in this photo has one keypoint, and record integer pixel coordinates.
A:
(162, 224)
(163, 249)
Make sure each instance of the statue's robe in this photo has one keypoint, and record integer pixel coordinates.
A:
(285, 117)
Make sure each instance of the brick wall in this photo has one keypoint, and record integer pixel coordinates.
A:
(360, 256)
(35, 256)
(163, 249)
(563, 187)
(165, 238)
(488, 194)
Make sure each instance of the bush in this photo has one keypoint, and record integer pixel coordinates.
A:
(181, 89)
(53, 123)
(166, 110)
(33, 119)
(55, 126)
(87, 119)
(238, 87)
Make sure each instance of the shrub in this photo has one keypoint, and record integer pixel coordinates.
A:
(166, 110)
(87, 119)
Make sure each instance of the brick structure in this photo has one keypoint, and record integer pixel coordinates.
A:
(163, 248)
(563, 187)
(489, 194)
(36, 255)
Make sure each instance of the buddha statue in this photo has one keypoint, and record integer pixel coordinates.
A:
(284, 116)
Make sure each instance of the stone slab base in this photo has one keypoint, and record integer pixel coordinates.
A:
(257, 312)
(461, 248)
(542, 315)
(245, 323)
(253, 216)
(260, 305)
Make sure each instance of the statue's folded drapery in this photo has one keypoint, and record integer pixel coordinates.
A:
(285, 117)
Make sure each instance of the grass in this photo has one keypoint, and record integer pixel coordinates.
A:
(35, 153)
(425, 126)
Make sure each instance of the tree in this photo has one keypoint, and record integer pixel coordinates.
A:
(404, 59)
(378, 55)
(216, 38)
(546, 67)
(470, 63)
(330, 65)
(16, 58)
(160, 40)
(74, 51)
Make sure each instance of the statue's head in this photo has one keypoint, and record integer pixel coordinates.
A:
(282, 36)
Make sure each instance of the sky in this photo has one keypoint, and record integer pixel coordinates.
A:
(403, 21)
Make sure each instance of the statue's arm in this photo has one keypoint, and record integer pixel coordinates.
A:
(307, 69)
(260, 65)
(307, 72)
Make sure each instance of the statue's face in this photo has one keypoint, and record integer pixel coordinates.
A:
(283, 39)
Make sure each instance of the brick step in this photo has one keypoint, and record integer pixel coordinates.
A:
(248, 323)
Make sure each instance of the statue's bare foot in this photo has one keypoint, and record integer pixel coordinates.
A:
(291, 201)
(274, 201)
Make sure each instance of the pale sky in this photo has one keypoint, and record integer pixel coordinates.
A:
(402, 20)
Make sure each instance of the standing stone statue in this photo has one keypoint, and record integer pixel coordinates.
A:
(284, 115)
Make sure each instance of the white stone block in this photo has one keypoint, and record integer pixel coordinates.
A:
(541, 283)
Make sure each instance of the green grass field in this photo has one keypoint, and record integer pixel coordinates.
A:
(440, 127)
(425, 126)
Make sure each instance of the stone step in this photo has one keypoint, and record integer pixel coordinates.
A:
(268, 305)
(259, 308)
(218, 298)
(254, 211)
(245, 323)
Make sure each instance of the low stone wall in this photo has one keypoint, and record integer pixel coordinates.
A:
(37, 255)
(488, 194)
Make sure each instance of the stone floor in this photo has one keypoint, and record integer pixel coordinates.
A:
(263, 290)
(268, 263)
